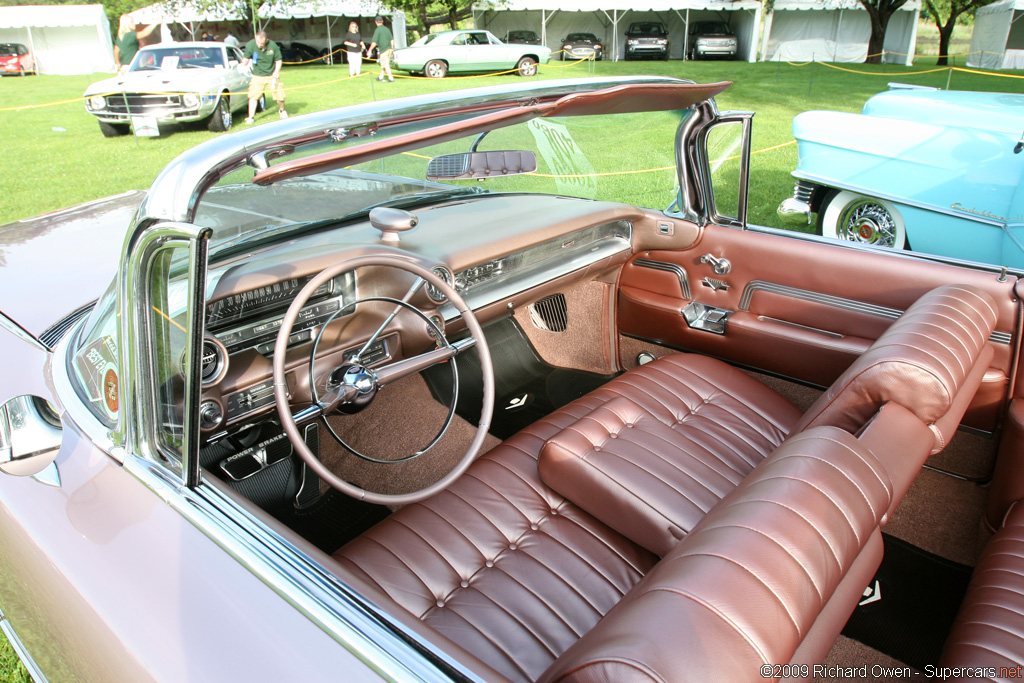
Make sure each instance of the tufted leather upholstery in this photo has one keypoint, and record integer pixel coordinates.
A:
(513, 572)
(746, 585)
(989, 630)
(921, 362)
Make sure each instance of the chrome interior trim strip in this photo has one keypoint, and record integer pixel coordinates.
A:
(19, 649)
(366, 631)
(19, 331)
(829, 300)
(1001, 337)
(815, 330)
(677, 270)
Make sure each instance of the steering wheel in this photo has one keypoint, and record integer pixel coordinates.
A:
(358, 384)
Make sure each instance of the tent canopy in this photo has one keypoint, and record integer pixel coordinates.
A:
(63, 39)
(332, 11)
(835, 31)
(997, 41)
(609, 20)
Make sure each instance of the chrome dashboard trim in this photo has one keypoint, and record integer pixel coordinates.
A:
(19, 649)
(533, 275)
(363, 629)
(674, 268)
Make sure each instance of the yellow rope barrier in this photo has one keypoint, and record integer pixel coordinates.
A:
(887, 74)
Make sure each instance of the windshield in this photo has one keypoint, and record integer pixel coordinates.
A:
(712, 27)
(574, 158)
(8, 50)
(169, 58)
(655, 29)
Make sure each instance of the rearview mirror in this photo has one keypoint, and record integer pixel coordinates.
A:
(30, 435)
(481, 165)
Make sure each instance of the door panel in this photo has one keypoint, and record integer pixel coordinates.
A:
(800, 309)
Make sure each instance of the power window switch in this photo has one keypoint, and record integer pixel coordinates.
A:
(666, 228)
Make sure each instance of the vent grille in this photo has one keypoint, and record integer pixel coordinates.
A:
(550, 313)
(56, 332)
(448, 166)
(212, 360)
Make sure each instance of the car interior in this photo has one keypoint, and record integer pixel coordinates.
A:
(611, 443)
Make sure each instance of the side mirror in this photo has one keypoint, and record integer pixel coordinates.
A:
(30, 436)
(481, 165)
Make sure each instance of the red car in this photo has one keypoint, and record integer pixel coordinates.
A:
(15, 59)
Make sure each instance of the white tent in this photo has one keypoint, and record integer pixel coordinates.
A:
(191, 18)
(328, 20)
(63, 39)
(609, 20)
(835, 31)
(998, 38)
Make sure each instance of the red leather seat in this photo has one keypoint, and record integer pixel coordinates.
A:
(516, 574)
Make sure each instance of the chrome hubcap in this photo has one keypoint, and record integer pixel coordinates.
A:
(868, 222)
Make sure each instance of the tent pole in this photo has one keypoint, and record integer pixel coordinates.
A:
(839, 32)
(32, 46)
(686, 34)
(330, 44)
(543, 27)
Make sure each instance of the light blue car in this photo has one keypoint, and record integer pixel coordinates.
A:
(922, 169)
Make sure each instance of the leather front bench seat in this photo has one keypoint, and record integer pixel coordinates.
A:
(515, 573)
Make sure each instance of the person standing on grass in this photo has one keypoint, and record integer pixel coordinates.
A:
(266, 60)
(354, 47)
(127, 44)
(385, 43)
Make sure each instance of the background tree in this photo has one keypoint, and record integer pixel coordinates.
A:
(952, 9)
(880, 11)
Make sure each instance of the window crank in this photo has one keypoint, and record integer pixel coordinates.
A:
(721, 266)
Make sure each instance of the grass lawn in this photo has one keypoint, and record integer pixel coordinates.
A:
(55, 156)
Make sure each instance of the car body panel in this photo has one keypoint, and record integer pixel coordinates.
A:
(81, 247)
(15, 59)
(945, 160)
(153, 76)
(464, 57)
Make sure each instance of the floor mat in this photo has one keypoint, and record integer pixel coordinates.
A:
(334, 520)
(910, 605)
(526, 388)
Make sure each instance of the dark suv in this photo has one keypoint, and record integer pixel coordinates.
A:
(647, 39)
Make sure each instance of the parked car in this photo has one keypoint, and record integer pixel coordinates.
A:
(582, 46)
(342, 395)
(299, 54)
(647, 39)
(15, 59)
(437, 54)
(522, 37)
(918, 168)
(712, 39)
(172, 83)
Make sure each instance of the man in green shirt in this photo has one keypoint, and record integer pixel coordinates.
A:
(265, 56)
(385, 42)
(126, 45)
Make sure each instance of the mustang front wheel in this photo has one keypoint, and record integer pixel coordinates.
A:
(857, 218)
(220, 120)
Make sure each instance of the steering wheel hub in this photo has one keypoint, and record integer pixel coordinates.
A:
(363, 383)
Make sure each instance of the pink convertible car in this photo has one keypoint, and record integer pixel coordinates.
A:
(498, 385)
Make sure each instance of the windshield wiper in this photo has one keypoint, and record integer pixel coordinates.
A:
(276, 233)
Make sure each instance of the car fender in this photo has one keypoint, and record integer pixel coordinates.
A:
(960, 170)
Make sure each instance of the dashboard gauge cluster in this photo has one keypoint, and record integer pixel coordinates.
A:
(251, 319)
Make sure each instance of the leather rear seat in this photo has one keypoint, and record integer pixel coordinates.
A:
(516, 573)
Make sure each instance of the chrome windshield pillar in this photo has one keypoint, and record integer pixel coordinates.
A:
(143, 373)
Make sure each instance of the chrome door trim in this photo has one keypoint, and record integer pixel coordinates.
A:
(837, 302)
(807, 295)
(19, 649)
(674, 268)
(363, 629)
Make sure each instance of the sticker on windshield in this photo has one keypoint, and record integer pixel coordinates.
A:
(574, 174)
(97, 370)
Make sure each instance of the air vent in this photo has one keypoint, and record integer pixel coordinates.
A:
(550, 313)
(56, 332)
(214, 361)
(448, 166)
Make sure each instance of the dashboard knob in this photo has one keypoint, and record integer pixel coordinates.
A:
(210, 414)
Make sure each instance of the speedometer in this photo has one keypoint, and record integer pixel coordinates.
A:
(246, 304)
